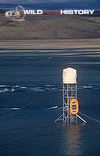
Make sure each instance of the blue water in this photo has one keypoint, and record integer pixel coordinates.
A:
(31, 99)
(54, 5)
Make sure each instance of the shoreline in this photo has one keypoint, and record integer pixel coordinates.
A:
(49, 44)
(65, 47)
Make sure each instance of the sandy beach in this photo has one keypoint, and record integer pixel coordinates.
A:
(49, 44)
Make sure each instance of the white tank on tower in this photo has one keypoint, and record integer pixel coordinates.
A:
(69, 93)
(69, 76)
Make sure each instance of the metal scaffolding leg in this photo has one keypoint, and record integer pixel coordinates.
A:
(69, 93)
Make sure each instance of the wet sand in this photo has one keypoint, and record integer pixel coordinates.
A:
(66, 47)
(49, 44)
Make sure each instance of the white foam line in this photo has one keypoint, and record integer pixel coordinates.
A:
(52, 108)
(90, 117)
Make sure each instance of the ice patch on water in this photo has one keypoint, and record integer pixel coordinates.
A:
(23, 87)
(54, 107)
(50, 58)
(4, 90)
(12, 90)
(3, 86)
(94, 86)
(8, 88)
(13, 108)
(18, 88)
(40, 89)
(48, 85)
(50, 89)
(88, 87)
